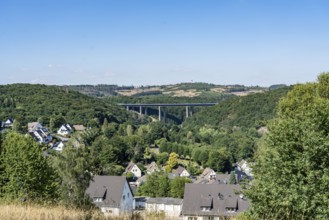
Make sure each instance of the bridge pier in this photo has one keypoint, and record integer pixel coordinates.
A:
(145, 111)
(140, 110)
(159, 113)
(187, 111)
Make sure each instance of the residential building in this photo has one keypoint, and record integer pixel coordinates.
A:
(65, 130)
(182, 172)
(39, 133)
(58, 146)
(111, 194)
(33, 126)
(133, 168)
(152, 167)
(208, 174)
(212, 201)
(8, 123)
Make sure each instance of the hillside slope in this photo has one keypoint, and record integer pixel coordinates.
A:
(27, 103)
(247, 111)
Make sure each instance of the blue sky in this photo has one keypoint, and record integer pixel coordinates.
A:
(152, 42)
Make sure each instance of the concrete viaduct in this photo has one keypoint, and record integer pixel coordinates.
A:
(160, 105)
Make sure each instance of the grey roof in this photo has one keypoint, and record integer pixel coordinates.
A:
(130, 166)
(152, 167)
(222, 196)
(164, 200)
(179, 170)
(109, 186)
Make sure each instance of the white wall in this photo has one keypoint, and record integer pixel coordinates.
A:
(169, 210)
(127, 200)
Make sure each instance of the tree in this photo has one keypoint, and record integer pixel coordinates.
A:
(72, 167)
(26, 173)
(172, 162)
(177, 186)
(220, 160)
(291, 168)
(156, 185)
(232, 179)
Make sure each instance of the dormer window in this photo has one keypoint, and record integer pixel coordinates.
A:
(205, 208)
(230, 209)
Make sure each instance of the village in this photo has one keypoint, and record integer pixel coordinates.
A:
(209, 195)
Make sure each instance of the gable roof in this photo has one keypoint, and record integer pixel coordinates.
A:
(179, 170)
(33, 126)
(219, 197)
(130, 166)
(152, 167)
(110, 188)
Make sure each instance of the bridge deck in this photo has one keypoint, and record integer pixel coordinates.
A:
(166, 104)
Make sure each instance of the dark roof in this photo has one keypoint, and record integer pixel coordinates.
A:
(111, 187)
(220, 196)
(164, 200)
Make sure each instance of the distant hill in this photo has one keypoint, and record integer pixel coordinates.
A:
(176, 90)
(28, 103)
(248, 111)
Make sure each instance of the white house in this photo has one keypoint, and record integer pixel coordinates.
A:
(182, 172)
(152, 167)
(132, 167)
(8, 123)
(244, 166)
(65, 130)
(170, 206)
(208, 174)
(39, 133)
(111, 194)
(58, 146)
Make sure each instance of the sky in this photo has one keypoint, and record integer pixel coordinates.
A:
(156, 42)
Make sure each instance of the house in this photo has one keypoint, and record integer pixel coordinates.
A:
(214, 201)
(58, 146)
(243, 169)
(111, 194)
(170, 206)
(141, 180)
(208, 174)
(8, 123)
(181, 171)
(33, 126)
(65, 130)
(132, 167)
(152, 167)
(39, 133)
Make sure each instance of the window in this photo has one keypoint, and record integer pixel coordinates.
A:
(205, 208)
(98, 199)
(229, 209)
(123, 197)
(192, 218)
(128, 195)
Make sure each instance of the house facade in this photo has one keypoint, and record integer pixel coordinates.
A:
(133, 168)
(214, 201)
(182, 172)
(65, 130)
(152, 167)
(111, 194)
(39, 133)
(172, 207)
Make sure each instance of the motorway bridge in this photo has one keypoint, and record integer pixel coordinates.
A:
(160, 105)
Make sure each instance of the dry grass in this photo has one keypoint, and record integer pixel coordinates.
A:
(36, 212)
